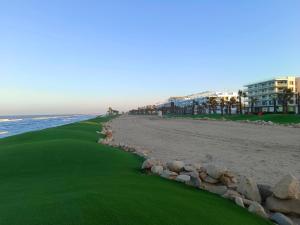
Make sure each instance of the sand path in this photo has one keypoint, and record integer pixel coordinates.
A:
(263, 152)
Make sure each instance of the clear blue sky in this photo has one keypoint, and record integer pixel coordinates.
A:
(82, 56)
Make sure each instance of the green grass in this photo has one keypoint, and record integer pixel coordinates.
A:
(61, 176)
(276, 118)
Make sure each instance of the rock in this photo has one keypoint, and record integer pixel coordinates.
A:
(247, 202)
(231, 194)
(257, 209)
(281, 219)
(188, 168)
(197, 166)
(202, 175)
(287, 188)
(175, 166)
(210, 180)
(239, 201)
(290, 206)
(215, 171)
(265, 191)
(149, 163)
(216, 189)
(249, 189)
(109, 133)
(183, 178)
(169, 174)
(157, 169)
(228, 179)
(195, 181)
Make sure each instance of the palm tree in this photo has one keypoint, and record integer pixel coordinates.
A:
(222, 105)
(213, 103)
(193, 107)
(285, 96)
(274, 99)
(204, 107)
(253, 100)
(240, 94)
(232, 101)
(244, 97)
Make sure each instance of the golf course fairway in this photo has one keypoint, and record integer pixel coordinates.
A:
(62, 176)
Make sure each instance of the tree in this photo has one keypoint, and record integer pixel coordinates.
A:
(253, 101)
(274, 100)
(203, 107)
(244, 97)
(213, 103)
(285, 96)
(240, 94)
(232, 101)
(222, 105)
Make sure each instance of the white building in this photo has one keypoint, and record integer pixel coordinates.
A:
(197, 101)
(262, 96)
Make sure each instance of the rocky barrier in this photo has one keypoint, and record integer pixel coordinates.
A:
(277, 203)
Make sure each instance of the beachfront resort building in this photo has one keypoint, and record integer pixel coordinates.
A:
(200, 103)
(263, 95)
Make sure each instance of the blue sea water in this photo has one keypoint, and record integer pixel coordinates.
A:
(12, 125)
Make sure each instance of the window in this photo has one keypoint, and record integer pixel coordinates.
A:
(291, 82)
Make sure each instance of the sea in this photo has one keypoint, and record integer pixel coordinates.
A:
(12, 125)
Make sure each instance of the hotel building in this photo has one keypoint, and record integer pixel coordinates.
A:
(264, 93)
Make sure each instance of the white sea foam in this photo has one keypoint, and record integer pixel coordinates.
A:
(3, 132)
(9, 120)
(45, 117)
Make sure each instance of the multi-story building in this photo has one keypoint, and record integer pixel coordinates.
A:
(262, 96)
(196, 101)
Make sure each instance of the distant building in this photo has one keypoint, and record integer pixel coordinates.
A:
(262, 96)
(194, 103)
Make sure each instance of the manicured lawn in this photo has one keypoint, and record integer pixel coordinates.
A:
(61, 176)
(276, 118)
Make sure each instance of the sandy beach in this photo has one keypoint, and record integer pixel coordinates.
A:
(265, 153)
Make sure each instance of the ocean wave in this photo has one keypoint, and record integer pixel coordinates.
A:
(9, 120)
(45, 117)
(3, 132)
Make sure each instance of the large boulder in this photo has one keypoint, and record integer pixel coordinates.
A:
(189, 168)
(157, 169)
(211, 180)
(183, 178)
(257, 209)
(239, 202)
(195, 181)
(281, 219)
(231, 194)
(175, 166)
(287, 188)
(216, 189)
(197, 166)
(215, 171)
(265, 191)
(290, 206)
(149, 163)
(248, 187)
(169, 174)
(228, 179)
(203, 175)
